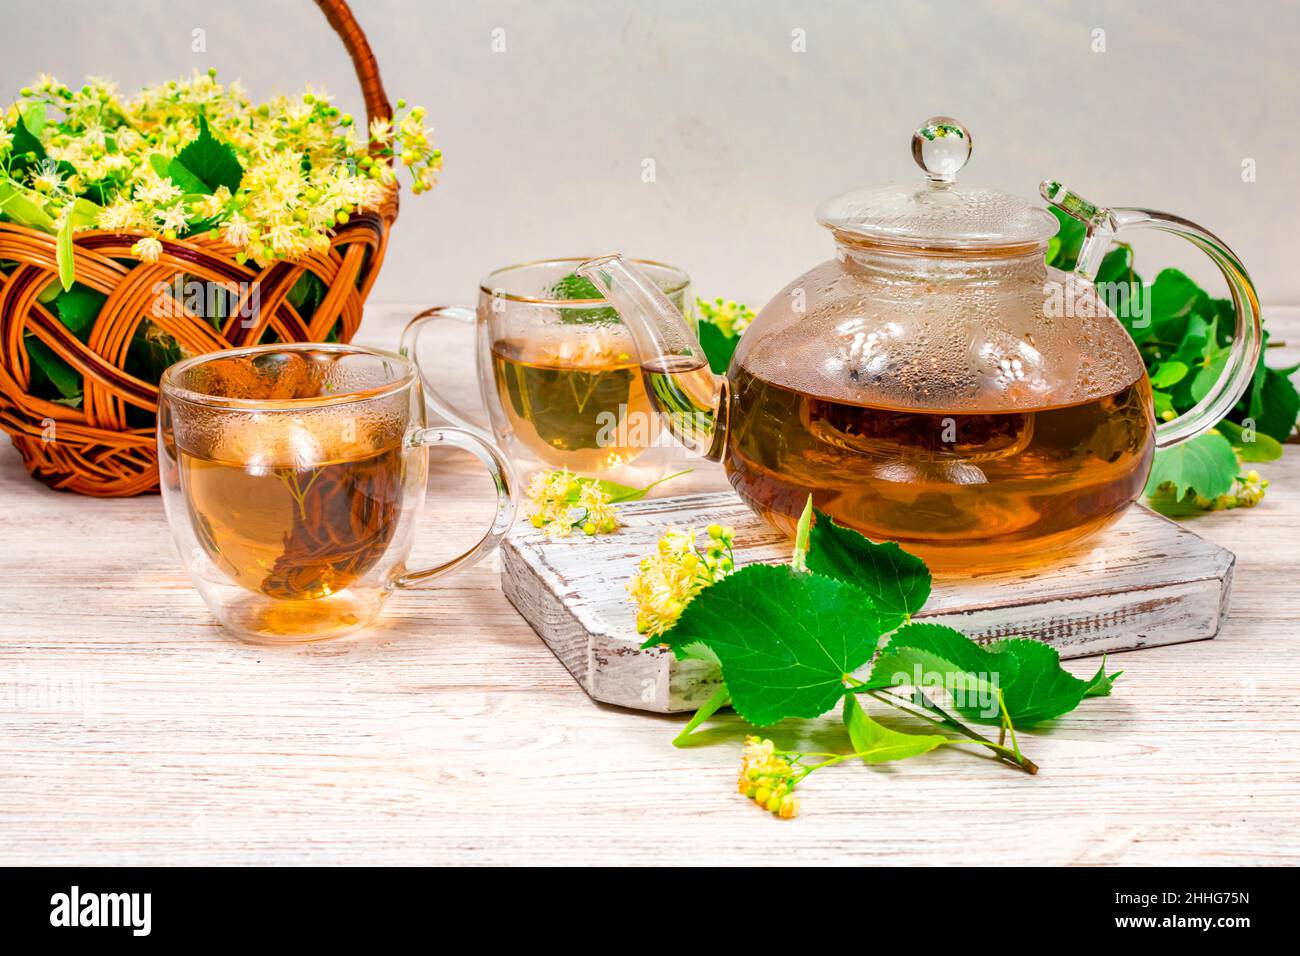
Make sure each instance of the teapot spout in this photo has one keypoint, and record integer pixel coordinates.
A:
(690, 399)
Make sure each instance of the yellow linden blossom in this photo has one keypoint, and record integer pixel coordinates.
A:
(728, 315)
(768, 779)
(305, 167)
(147, 249)
(1247, 491)
(599, 347)
(559, 501)
(675, 573)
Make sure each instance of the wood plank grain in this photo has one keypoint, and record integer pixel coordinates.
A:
(1144, 582)
(133, 730)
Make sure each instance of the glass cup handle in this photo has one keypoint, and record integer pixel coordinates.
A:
(1247, 337)
(502, 477)
(408, 349)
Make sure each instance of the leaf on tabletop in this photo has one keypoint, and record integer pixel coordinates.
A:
(1254, 446)
(1101, 683)
(784, 640)
(877, 743)
(1206, 463)
(1034, 686)
(896, 581)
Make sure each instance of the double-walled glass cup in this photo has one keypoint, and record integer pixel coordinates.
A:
(292, 476)
(558, 372)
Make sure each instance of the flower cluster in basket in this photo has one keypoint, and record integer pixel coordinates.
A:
(191, 156)
(137, 230)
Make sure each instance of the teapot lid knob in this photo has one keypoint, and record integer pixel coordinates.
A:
(941, 146)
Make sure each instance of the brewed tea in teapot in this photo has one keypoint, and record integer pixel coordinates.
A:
(935, 384)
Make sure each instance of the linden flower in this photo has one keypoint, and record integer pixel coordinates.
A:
(555, 497)
(381, 130)
(675, 573)
(157, 190)
(596, 349)
(147, 249)
(174, 217)
(121, 214)
(211, 206)
(46, 177)
(236, 231)
(1247, 491)
(729, 316)
(767, 778)
(305, 166)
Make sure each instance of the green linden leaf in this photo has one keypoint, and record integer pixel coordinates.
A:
(1174, 299)
(209, 161)
(1034, 686)
(63, 253)
(718, 347)
(1206, 464)
(185, 180)
(1101, 683)
(897, 582)
(1168, 373)
(78, 308)
(1250, 446)
(802, 536)
(1275, 403)
(877, 743)
(785, 640)
(620, 493)
(574, 287)
(1208, 374)
(25, 143)
(1068, 240)
(65, 379)
(20, 208)
(933, 654)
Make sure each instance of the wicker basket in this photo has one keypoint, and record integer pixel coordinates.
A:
(93, 450)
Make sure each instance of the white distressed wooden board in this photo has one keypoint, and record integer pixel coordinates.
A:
(1145, 581)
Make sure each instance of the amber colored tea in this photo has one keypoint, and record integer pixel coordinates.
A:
(295, 532)
(582, 408)
(963, 490)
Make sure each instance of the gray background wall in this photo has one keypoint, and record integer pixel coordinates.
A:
(545, 141)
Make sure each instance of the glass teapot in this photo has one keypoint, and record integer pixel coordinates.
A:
(936, 383)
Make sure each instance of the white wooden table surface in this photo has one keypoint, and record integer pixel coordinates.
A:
(134, 731)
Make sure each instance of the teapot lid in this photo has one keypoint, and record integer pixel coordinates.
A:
(939, 212)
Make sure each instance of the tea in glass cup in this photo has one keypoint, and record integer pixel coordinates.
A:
(292, 475)
(558, 373)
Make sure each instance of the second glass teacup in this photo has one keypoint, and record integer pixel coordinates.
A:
(292, 476)
(558, 372)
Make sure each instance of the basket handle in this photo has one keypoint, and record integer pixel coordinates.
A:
(345, 25)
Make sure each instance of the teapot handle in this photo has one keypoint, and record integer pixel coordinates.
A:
(1103, 226)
